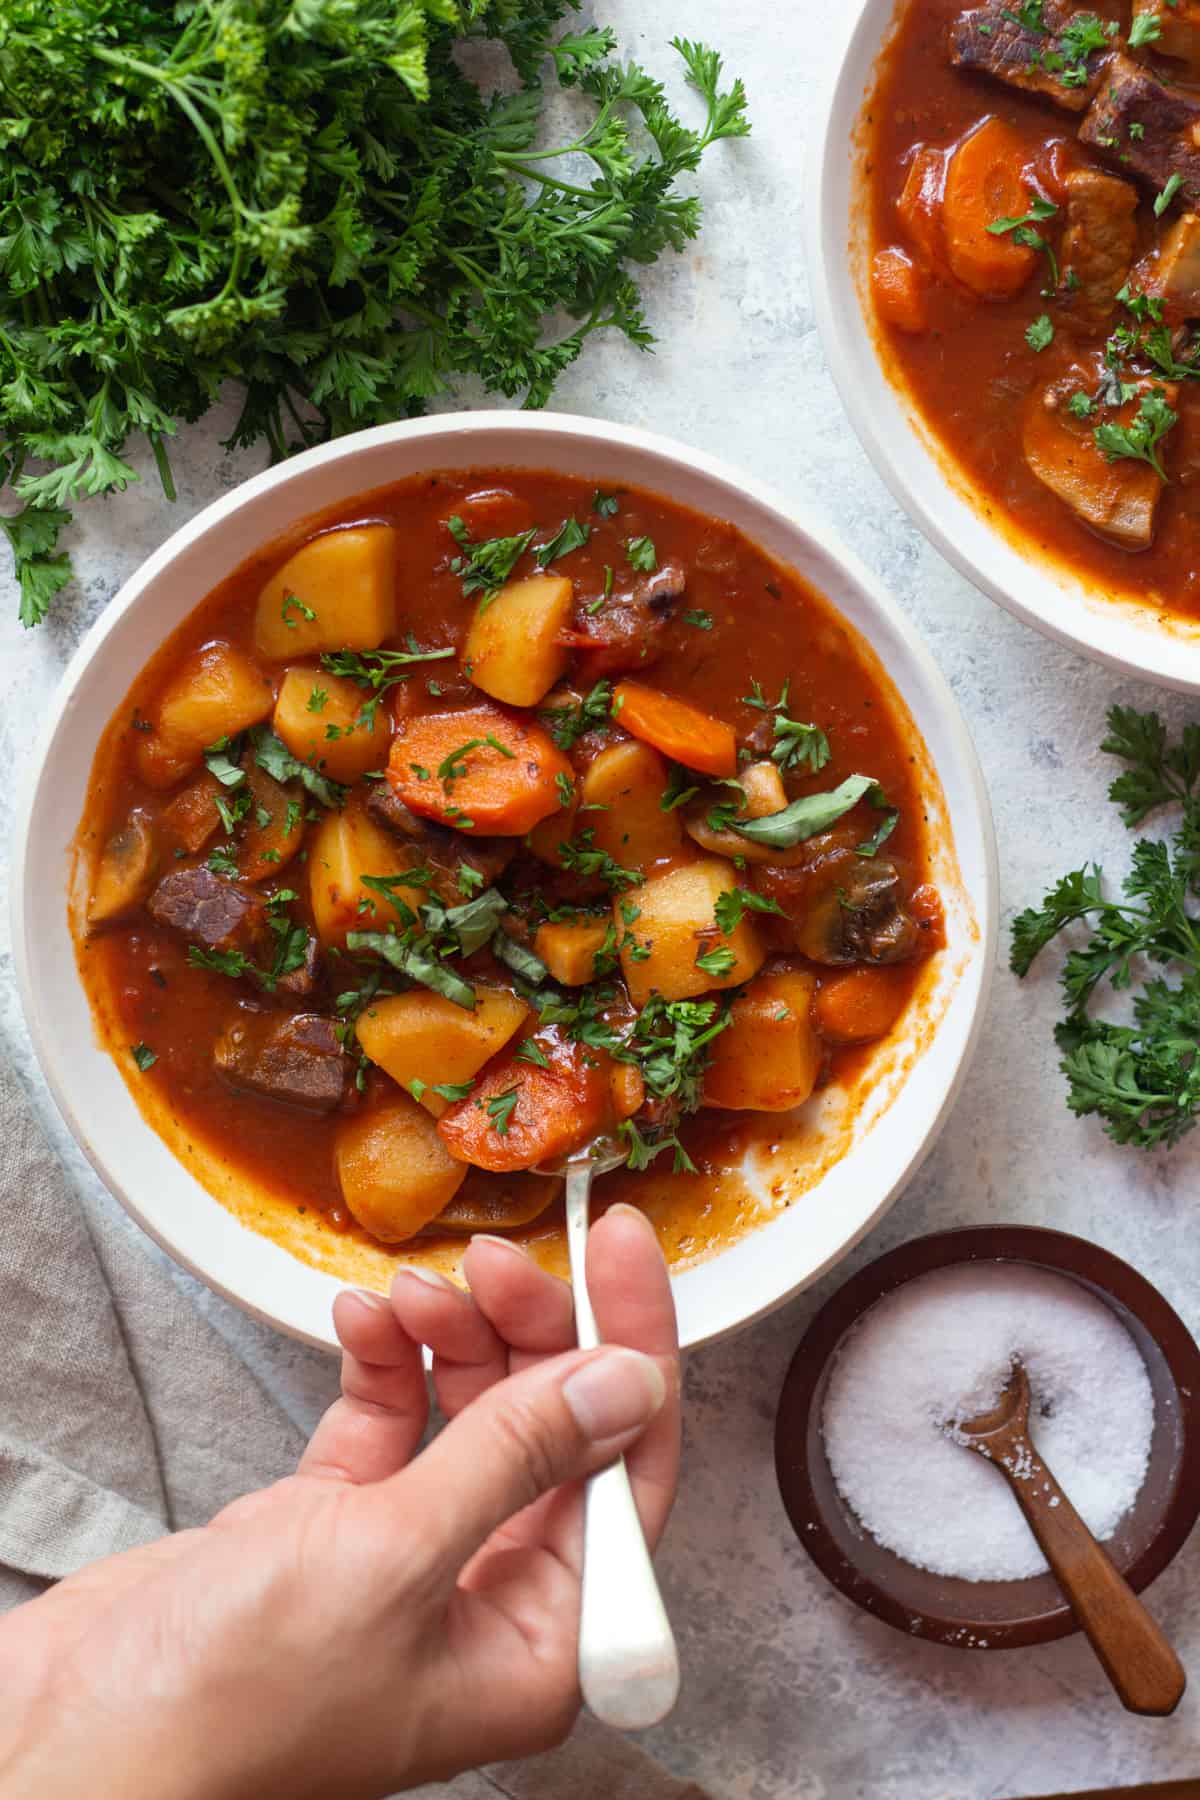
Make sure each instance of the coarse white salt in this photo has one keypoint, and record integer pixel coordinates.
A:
(941, 1349)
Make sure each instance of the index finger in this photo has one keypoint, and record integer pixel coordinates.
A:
(630, 1290)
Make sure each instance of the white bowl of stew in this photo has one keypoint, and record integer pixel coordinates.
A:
(1008, 320)
(203, 990)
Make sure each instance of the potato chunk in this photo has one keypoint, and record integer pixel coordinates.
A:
(569, 948)
(320, 718)
(424, 1039)
(512, 650)
(629, 780)
(396, 1173)
(338, 592)
(124, 872)
(768, 1058)
(344, 847)
(216, 692)
(676, 924)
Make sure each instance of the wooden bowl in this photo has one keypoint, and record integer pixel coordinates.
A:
(990, 1615)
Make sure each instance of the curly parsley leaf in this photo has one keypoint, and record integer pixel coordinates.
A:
(1142, 1079)
(1140, 439)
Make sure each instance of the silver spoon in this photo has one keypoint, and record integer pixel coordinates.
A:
(628, 1663)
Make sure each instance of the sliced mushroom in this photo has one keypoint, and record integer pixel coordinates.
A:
(488, 1202)
(125, 871)
(859, 916)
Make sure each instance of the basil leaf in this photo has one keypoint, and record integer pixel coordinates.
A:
(273, 755)
(474, 924)
(806, 816)
(417, 962)
(521, 961)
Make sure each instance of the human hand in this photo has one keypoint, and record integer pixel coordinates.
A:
(381, 1618)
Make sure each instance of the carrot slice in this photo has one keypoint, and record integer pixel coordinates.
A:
(519, 1115)
(480, 769)
(919, 207)
(900, 291)
(860, 1005)
(985, 181)
(680, 731)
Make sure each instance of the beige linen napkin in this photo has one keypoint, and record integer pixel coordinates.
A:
(124, 1415)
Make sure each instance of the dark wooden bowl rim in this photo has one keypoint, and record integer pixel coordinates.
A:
(798, 1439)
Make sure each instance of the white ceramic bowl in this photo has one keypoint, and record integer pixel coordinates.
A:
(926, 483)
(923, 1070)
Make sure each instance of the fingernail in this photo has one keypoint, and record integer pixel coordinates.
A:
(364, 1296)
(430, 1277)
(487, 1237)
(614, 1392)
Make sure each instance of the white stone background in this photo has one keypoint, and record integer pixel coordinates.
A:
(789, 1692)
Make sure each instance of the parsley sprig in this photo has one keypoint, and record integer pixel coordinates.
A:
(1142, 1078)
(314, 200)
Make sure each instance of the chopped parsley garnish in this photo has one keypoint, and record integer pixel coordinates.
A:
(143, 1056)
(571, 535)
(605, 505)
(530, 1051)
(500, 1109)
(1140, 1075)
(566, 788)
(883, 831)
(452, 1091)
(454, 767)
(567, 724)
(641, 554)
(231, 812)
(798, 746)
(735, 901)
(292, 604)
(1167, 193)
(416, 959)
(703, 621)
(1039, 333)
(717, 962)
(1140, 439)
(581, 856)
(317, 699)
(1022, 229)
(519, 958)
(381, 669)
(1081, 404)
(222, 962)
(1030, 15)
(485, 567)
(1144, 28)
(221, 863)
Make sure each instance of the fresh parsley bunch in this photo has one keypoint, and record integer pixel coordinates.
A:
(1143, 1079)
(312, 200)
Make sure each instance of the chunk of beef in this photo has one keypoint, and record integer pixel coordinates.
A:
(1098, 244)
(445, 851)
(1171, 271)
(293, 1057)
(629, 632)
(305, 980)
(992, 41)
(210, 911)
(1166, 140)
(1117, 500)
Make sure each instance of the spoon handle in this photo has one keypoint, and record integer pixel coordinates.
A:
(1134, 1653)
(628, 1663)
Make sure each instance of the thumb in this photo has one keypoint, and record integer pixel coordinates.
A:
(555, 1422)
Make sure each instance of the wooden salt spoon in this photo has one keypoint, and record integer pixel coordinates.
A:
(1136, 1657)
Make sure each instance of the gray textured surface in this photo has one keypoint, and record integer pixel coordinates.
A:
(790, 1694)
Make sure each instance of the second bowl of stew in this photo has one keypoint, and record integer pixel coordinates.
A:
(459, 794)
(1005, 248)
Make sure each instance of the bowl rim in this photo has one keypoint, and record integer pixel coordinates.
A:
(53, 1049)
(1111, 630)
(1039, 1246)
